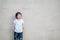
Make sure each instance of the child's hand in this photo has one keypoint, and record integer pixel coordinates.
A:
(12, 28)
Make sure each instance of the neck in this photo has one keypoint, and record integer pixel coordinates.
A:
(18, 19)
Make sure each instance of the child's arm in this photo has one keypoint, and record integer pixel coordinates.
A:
(13, 27)
(23, 27)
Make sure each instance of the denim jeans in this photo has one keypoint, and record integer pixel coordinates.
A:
(18, 36)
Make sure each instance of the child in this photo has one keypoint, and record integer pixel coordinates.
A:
(18, 26)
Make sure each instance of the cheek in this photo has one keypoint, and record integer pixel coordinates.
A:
(19, 16)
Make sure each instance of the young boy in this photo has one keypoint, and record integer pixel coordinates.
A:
(18, 26)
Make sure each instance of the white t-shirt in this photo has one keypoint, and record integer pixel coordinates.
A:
(18, 25)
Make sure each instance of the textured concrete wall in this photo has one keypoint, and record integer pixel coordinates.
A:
(42, 19)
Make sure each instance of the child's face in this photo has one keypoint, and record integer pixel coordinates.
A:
(19, 16)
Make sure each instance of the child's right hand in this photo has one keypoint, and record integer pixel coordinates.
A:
(12, 28)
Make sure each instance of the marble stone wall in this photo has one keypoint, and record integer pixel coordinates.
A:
(42, 19)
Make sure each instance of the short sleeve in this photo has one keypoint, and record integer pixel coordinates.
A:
(23, 21)
(14, 22)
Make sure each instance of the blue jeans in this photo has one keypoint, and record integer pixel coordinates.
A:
(18, 36)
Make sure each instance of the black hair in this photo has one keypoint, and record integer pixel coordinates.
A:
(17, 14)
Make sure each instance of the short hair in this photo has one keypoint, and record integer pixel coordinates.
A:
(17, 14)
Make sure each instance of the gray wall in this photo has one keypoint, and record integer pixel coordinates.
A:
(42, 19)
